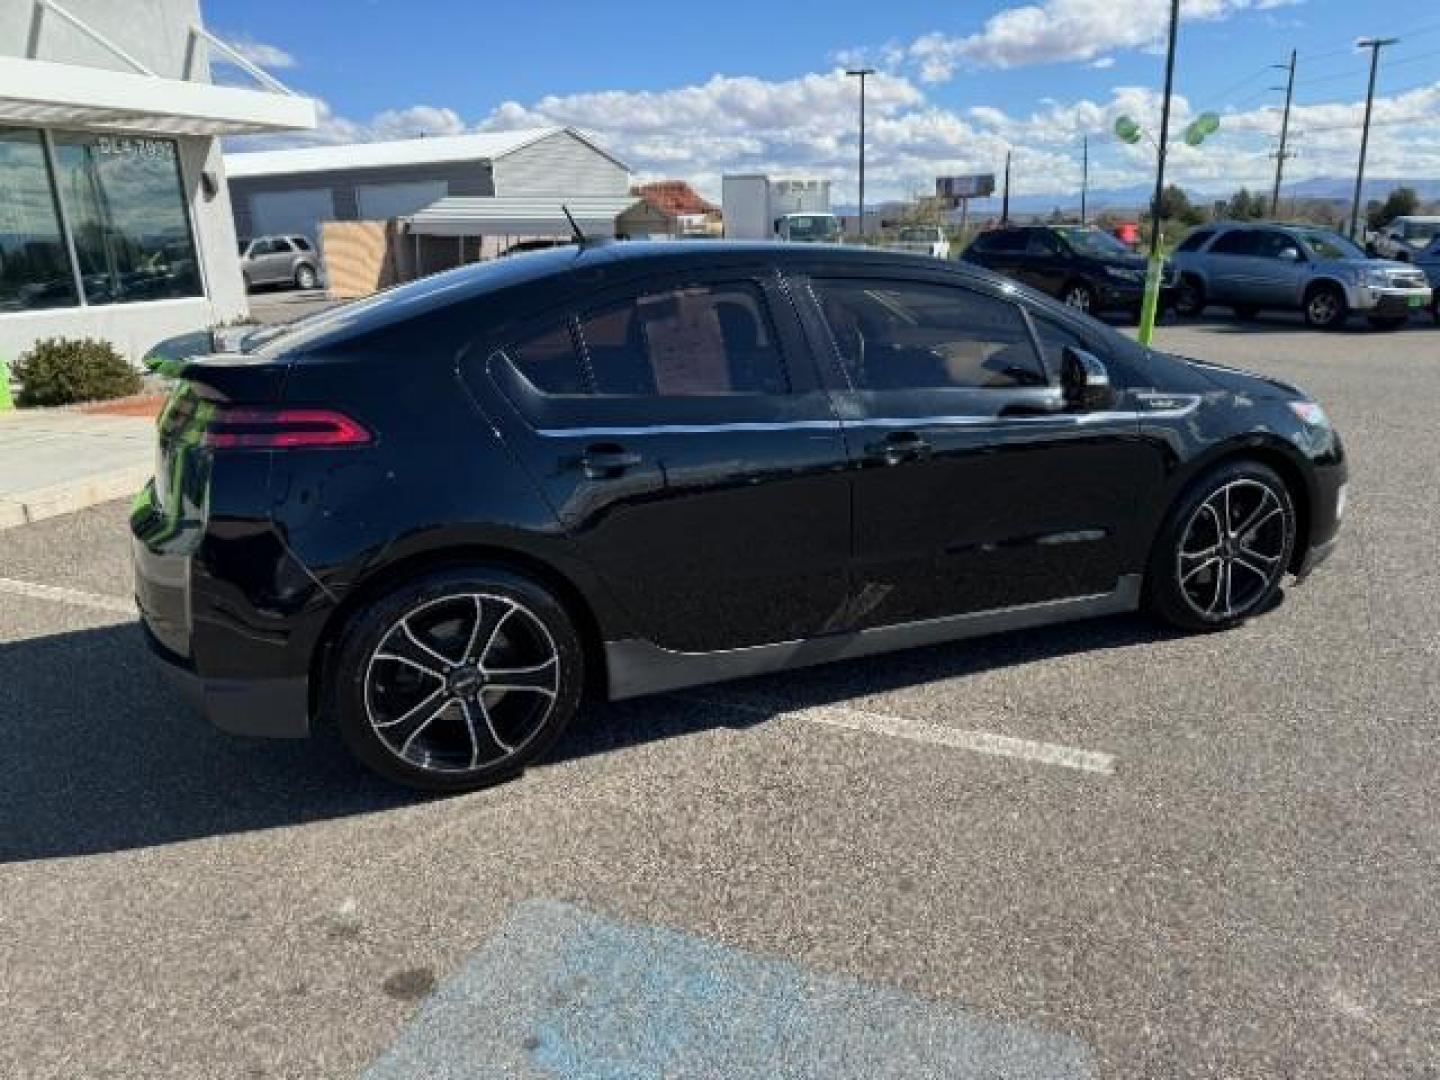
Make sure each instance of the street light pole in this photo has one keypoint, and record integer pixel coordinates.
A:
(1284, 135)
(862, 74)
(1084, 178)
(1374, 45)
(1153, 268)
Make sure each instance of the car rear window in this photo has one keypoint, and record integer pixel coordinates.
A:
(1236, 242)
(550, 360)
(1196, 240)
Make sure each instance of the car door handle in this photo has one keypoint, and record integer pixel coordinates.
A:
(899, 446)
(604, 461)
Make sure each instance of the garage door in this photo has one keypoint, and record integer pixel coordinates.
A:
(380, 202)
(283, 212)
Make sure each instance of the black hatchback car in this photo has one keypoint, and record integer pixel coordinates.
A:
(1081, 266)
(438, 517)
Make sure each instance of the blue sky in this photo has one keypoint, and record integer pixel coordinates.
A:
(750, 85)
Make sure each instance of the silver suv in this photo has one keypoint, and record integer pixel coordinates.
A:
(279, 260)
(1268, 267)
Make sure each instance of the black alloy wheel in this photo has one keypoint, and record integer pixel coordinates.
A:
(1224, 550)
(457, 680)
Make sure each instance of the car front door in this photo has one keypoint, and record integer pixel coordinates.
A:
(1230, 264)
(1003, 251)
(1279, 272)
(1048, 263)
(975, 489)
(680, 432)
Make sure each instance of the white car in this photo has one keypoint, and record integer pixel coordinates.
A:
(1405, 237)
(923, 240)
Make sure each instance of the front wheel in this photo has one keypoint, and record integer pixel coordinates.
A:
(305, 277)
(1079, 296)
(1224, 549)
(1325, 308)
(457, 679)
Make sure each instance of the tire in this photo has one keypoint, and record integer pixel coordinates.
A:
(461, 735)
(1080, 296)
(305, 277)
(1382, 322)
(1189, 302)
(1325, 307)
(1192, 566)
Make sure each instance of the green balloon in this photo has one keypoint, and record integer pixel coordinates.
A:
(1127, 130)
(1208, 122)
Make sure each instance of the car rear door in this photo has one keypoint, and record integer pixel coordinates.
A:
(974, 489)
(679, 430)
(1048, 265)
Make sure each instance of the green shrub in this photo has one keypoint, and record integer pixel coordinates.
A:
(62, 371)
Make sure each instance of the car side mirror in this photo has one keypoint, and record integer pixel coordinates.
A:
(1084, 381)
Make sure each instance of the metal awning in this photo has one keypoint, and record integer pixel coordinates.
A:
(41, 93)
(527, 215)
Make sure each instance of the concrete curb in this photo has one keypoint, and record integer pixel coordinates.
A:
(26, 506)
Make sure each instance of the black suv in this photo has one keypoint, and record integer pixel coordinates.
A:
(1085, 268)
(436, 517)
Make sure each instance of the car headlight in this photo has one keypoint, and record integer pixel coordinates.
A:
(1310, 413)
(1124, 274)
(1374, 277)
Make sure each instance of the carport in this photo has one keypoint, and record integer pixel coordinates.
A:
(493, 223)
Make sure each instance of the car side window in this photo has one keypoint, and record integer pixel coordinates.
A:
(280, 245)
(1043, 243)
(906, 335)
(302, 244)
(550, 360)
(693, 341)
(1269, 244)
(1238, 242)
(1196, 240)
(1009, 240)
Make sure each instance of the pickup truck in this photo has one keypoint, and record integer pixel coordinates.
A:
(1404, 238)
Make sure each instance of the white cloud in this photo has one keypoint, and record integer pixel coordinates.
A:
(806, 127)
(1102, 63)
(1054, 31)
(257, 52)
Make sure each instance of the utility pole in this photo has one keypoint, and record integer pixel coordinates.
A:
(1005, 202)
(1374, 45)
(1284, 135)
(1084, 177)
(862, 74)
(1152, 273)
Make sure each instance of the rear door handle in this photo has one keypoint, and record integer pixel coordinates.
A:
(899, 446)
(604, 461)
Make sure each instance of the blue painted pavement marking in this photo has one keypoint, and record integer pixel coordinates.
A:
(559, 992)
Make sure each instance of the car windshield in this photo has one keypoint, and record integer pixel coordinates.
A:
(1092, 242)
(1421, 233)
(927, 236)
(1324, 244)
(813, 227)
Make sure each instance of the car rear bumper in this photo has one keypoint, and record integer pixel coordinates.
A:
(269, 708)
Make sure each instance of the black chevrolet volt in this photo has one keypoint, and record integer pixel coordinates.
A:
(441, 517)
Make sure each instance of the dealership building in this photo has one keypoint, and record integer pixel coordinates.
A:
(115, 217)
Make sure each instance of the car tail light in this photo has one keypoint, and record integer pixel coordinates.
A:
(282, 429)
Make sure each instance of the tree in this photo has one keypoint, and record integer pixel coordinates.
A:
(1399, 203)
(1243, 206)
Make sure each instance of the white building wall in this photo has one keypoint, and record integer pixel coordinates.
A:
(559, 164)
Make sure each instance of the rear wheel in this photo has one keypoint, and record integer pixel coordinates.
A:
(1079, 296)
(1325, 307)
(1224, 548)
(1190, 297)
(457, 679)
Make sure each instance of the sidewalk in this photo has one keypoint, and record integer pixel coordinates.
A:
(54, 461)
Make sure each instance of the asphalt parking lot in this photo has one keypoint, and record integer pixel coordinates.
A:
(1094, 850)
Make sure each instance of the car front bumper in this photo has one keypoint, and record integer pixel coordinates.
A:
(1372, 300)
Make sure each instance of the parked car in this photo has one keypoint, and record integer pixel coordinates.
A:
(1404, 237)
(1428, 260)
(279, 260)
(923, 240)
(1271, 267)
(1085, 268)
(438, 517)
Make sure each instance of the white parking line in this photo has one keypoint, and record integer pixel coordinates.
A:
(73, 597)
(901, 727)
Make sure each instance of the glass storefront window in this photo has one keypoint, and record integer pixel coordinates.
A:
(34, 267)
(126, 209)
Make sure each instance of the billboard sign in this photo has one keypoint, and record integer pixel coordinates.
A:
(954, 188)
